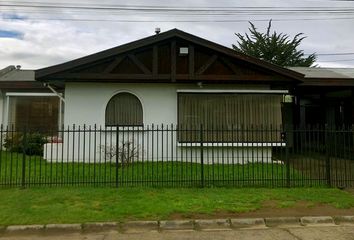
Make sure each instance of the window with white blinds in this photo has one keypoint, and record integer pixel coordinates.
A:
(230, 116)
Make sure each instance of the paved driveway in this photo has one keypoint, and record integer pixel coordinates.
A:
(289, 233)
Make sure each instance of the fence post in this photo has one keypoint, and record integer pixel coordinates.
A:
(24, 144)
(328, 159)
(117, 154)
(287, 161)
(201, 156)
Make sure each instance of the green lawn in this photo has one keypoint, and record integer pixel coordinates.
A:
(186, 174)
(85, 204)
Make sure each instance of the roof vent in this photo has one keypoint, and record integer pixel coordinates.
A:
(183, 51)
(157, 30)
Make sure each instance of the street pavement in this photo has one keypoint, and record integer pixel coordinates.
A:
(324, 232)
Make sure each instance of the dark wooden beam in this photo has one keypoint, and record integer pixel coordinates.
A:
(113, 65)
(191, 61)
(106, 76)
(242, 77)
(148, 78)
(207, 64)
(173, 61)
(230, 65)
(139, 64)
(155, 60)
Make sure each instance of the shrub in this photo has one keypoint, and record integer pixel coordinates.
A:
(31, 144)
(127, 152)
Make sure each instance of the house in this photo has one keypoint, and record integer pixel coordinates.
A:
(173, 78)
(182, 82)
(26, 103)
(165, 78)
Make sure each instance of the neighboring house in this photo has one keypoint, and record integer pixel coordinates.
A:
(325, 96)
(26, 103)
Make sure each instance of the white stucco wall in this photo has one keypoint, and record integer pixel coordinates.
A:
(85, 103)
(2, 108)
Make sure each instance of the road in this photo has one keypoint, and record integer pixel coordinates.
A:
(289, 233)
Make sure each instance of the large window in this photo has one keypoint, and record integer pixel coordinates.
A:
(34, 113)
(124, 109)
(230, 116)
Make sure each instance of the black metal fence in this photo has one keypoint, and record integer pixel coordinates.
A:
(178, 156)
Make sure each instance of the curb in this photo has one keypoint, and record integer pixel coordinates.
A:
(23, 229)
(212, 224)
(238, 223)
(309, 221)
(343, 220)
(139, 226)
(99, 226)
(282, 221)
(182, 225)
(63, 227)
(177, 225)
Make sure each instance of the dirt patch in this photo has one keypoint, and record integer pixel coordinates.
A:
(272, 209)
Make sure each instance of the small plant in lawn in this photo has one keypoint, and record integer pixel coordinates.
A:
(127, 152)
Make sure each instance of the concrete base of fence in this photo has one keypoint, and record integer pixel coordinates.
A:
(232, 154)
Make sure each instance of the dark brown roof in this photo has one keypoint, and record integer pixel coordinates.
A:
(45, 74)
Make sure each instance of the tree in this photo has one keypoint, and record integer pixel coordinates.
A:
(274, 47)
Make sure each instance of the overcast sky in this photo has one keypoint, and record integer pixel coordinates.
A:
(30, 37)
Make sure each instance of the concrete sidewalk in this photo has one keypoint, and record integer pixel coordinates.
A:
(274, 233)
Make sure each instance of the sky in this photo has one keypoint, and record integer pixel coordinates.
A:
(36, 37)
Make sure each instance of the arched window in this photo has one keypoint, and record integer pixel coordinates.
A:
(124, 109)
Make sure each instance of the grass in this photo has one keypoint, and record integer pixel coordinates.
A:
(87, 204)
(183, 174)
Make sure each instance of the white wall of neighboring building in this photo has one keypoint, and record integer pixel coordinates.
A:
(85, 103)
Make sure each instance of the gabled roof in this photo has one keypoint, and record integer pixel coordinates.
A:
(44, 73)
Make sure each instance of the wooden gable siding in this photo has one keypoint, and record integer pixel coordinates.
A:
(157, 59)
(162, 62)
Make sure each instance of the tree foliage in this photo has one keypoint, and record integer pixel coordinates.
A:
(276, 48)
